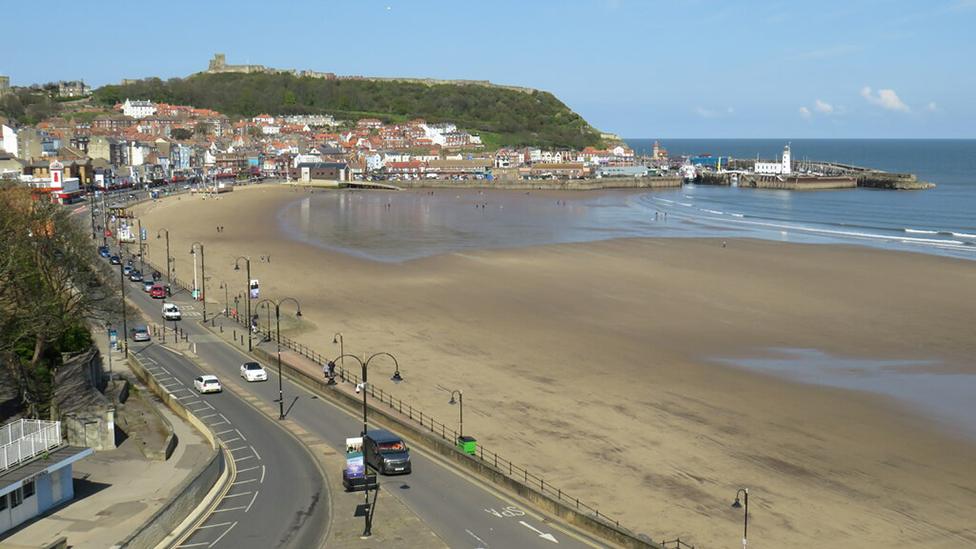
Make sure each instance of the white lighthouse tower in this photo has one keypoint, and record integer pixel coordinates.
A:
(787, 165)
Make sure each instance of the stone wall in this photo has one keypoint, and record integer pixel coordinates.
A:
(87, 416)
(546, 184)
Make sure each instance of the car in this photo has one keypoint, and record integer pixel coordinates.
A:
(115, 260)
(207, 384)
(386, 452)
(103, 251)
(135, 275)
(126, 270)
(252, 371)
(157, 291)
(147, 285)
(171, 312)
(140, 333)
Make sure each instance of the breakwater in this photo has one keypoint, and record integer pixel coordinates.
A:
(864, 178)
(547, 184)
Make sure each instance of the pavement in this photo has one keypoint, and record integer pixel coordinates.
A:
(117, 490)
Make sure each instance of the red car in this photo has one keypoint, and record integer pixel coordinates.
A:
(157, 291)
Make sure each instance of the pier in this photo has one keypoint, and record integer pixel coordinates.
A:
(814, 175)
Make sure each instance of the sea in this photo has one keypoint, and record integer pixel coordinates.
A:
(394, 227)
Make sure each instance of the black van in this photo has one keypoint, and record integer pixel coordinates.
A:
(386, 452)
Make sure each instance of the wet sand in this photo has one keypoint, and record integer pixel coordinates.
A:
(594, 364)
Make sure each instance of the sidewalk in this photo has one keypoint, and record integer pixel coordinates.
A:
(117, 490)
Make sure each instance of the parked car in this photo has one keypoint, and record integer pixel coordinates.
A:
(147, 285)
(115, 260)
(252, 371)
(207, 384)
(157, 291)
(171, 312)
(386, 452)
(135, 275)
(103, 251)
(126, 270)
(140, 333)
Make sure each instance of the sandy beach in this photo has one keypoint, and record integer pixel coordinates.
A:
(595, 364)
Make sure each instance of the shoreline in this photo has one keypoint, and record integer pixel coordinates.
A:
(538, 333)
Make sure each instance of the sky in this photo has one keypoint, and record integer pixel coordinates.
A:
(637, 68)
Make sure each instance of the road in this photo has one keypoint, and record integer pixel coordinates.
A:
(278, 497)
(463, 512)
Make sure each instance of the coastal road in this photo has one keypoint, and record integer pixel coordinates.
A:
(464, 512)
(278, 498)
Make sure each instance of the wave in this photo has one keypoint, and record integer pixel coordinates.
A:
(717, 212)
(920, 231)
(964, 235)
(736, 215)
(686, 204)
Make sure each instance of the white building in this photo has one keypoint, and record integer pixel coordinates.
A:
(138, 109)
(8, 140)
(437, 132)
(783, 167)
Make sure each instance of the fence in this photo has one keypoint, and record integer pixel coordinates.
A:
(25, 438)
(428, 422)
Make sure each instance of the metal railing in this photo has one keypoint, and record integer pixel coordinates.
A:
(487, 457)
(25, 438)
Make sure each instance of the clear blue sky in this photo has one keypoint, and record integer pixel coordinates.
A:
(639, 68)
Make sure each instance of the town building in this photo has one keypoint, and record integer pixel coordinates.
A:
(138, 109)
(73, 88)
(35, 471)
(4, 85)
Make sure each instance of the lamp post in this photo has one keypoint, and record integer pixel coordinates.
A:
(142, 260)
(125, 323)
(337, 338)
(203, 275)
(108, 332)
(247, 288)
(267, 302)
(223, 286)
(737, 505)
(460, 403)
(368, 516)
(169, 276)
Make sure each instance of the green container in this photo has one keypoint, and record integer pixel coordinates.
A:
(468, 445)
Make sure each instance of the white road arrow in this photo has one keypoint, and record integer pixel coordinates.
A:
(542, 535)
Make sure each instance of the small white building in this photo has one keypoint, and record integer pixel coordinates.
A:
(8, 140)
(783, 167)
(138, 108)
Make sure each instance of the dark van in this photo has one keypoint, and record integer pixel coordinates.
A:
(386, 452)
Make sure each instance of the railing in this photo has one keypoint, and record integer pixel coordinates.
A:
(676, 544)
(25, 438)
(486, 457)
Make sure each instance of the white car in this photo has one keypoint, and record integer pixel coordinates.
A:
(207, 384)
(171, 312)
(252, 371)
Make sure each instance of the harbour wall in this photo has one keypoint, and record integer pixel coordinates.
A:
(546, 184)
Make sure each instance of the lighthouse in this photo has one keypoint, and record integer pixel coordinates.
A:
(787, 166)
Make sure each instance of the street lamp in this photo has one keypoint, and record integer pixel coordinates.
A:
(277, 305)
(460, 403)
(223, 286)
(737, 505)
(337, 338)
(125, 324)
(203, 276)
(142, 257)
(368, 516)
(247, 288)
(169, 277)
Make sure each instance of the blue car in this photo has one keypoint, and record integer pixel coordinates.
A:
(103, 251)
(115, 260)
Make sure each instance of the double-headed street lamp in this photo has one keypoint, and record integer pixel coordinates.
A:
(737, 505)
(203, 276)
(169, 277)
(247, 288)
(460, 403)
(367, 515)
(125, 323)
(277, 306)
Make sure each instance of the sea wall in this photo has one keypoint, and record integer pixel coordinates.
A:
(894, 181)
(546, 184)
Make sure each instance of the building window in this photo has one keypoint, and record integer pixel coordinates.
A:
(3, 502)
(16, 498)
(29, 489)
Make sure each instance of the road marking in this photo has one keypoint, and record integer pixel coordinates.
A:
(175, 352)
(262, 474)
(237, 495)
(239, 471)
(222, 416)
(542, 535)
(192, 545)
(242, 459)
(244, 481)
(239, 433)
(255, 452)
(164, 369)
(217, 423)
(481, 541)
(213, 526)
(228, 441)
(229, 509)
(225, 431)
(256, 492)
(222, 535)
(208, 415)
(240, 448)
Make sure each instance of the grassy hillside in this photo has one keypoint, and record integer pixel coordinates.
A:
(518, 118)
